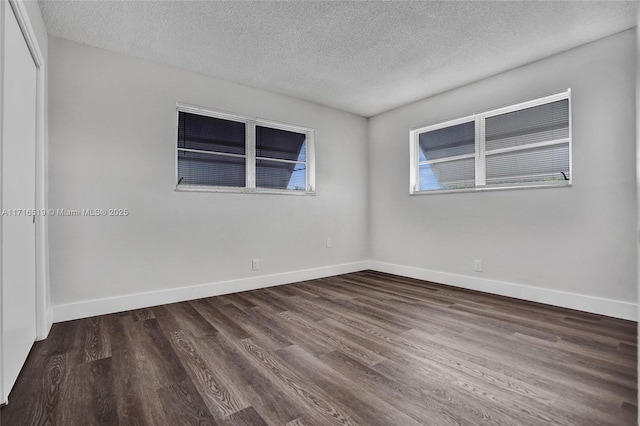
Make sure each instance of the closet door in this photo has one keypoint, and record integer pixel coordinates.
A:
(18, 192)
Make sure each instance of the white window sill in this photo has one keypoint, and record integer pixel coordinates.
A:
(494, 188)
(233, 190)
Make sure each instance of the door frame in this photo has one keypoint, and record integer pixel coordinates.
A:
(44, 317)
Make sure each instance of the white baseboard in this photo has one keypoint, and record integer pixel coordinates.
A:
(596, 305)
(127, 302)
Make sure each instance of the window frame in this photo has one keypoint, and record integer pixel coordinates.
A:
(480, 153)
(250, 153)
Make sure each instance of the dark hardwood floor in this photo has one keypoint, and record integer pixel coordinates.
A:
(363, 348)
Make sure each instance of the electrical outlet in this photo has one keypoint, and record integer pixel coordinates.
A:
(329, 242)
(255, 264)
(477, 265)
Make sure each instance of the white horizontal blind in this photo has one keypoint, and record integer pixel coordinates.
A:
(528, 145)
(446, 157)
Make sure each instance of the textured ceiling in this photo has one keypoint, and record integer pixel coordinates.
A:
(362, 57)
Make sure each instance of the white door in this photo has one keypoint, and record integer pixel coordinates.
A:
(18, 192)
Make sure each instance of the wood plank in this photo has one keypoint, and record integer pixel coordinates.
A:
(364, 407)
(247, 417)
(268, 399)
(219, 320)
(102, 396)
(256, 328)
(131, 381)
(316, 400)
(218, 396)
(97, 343)
(183, 405)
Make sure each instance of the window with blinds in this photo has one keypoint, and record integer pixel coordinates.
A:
(524, 145)
(281, 159)
(211, 151)
(225, 152)
(447, 157)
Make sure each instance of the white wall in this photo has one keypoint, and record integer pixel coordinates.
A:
(112, 145)
(568, 246)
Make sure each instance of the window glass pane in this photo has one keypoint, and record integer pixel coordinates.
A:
(282, 144)
(529, 165)
(447, 142)
(210, 134)
(210, 169)
(279, 175)
(531, 125)
(455, 174)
